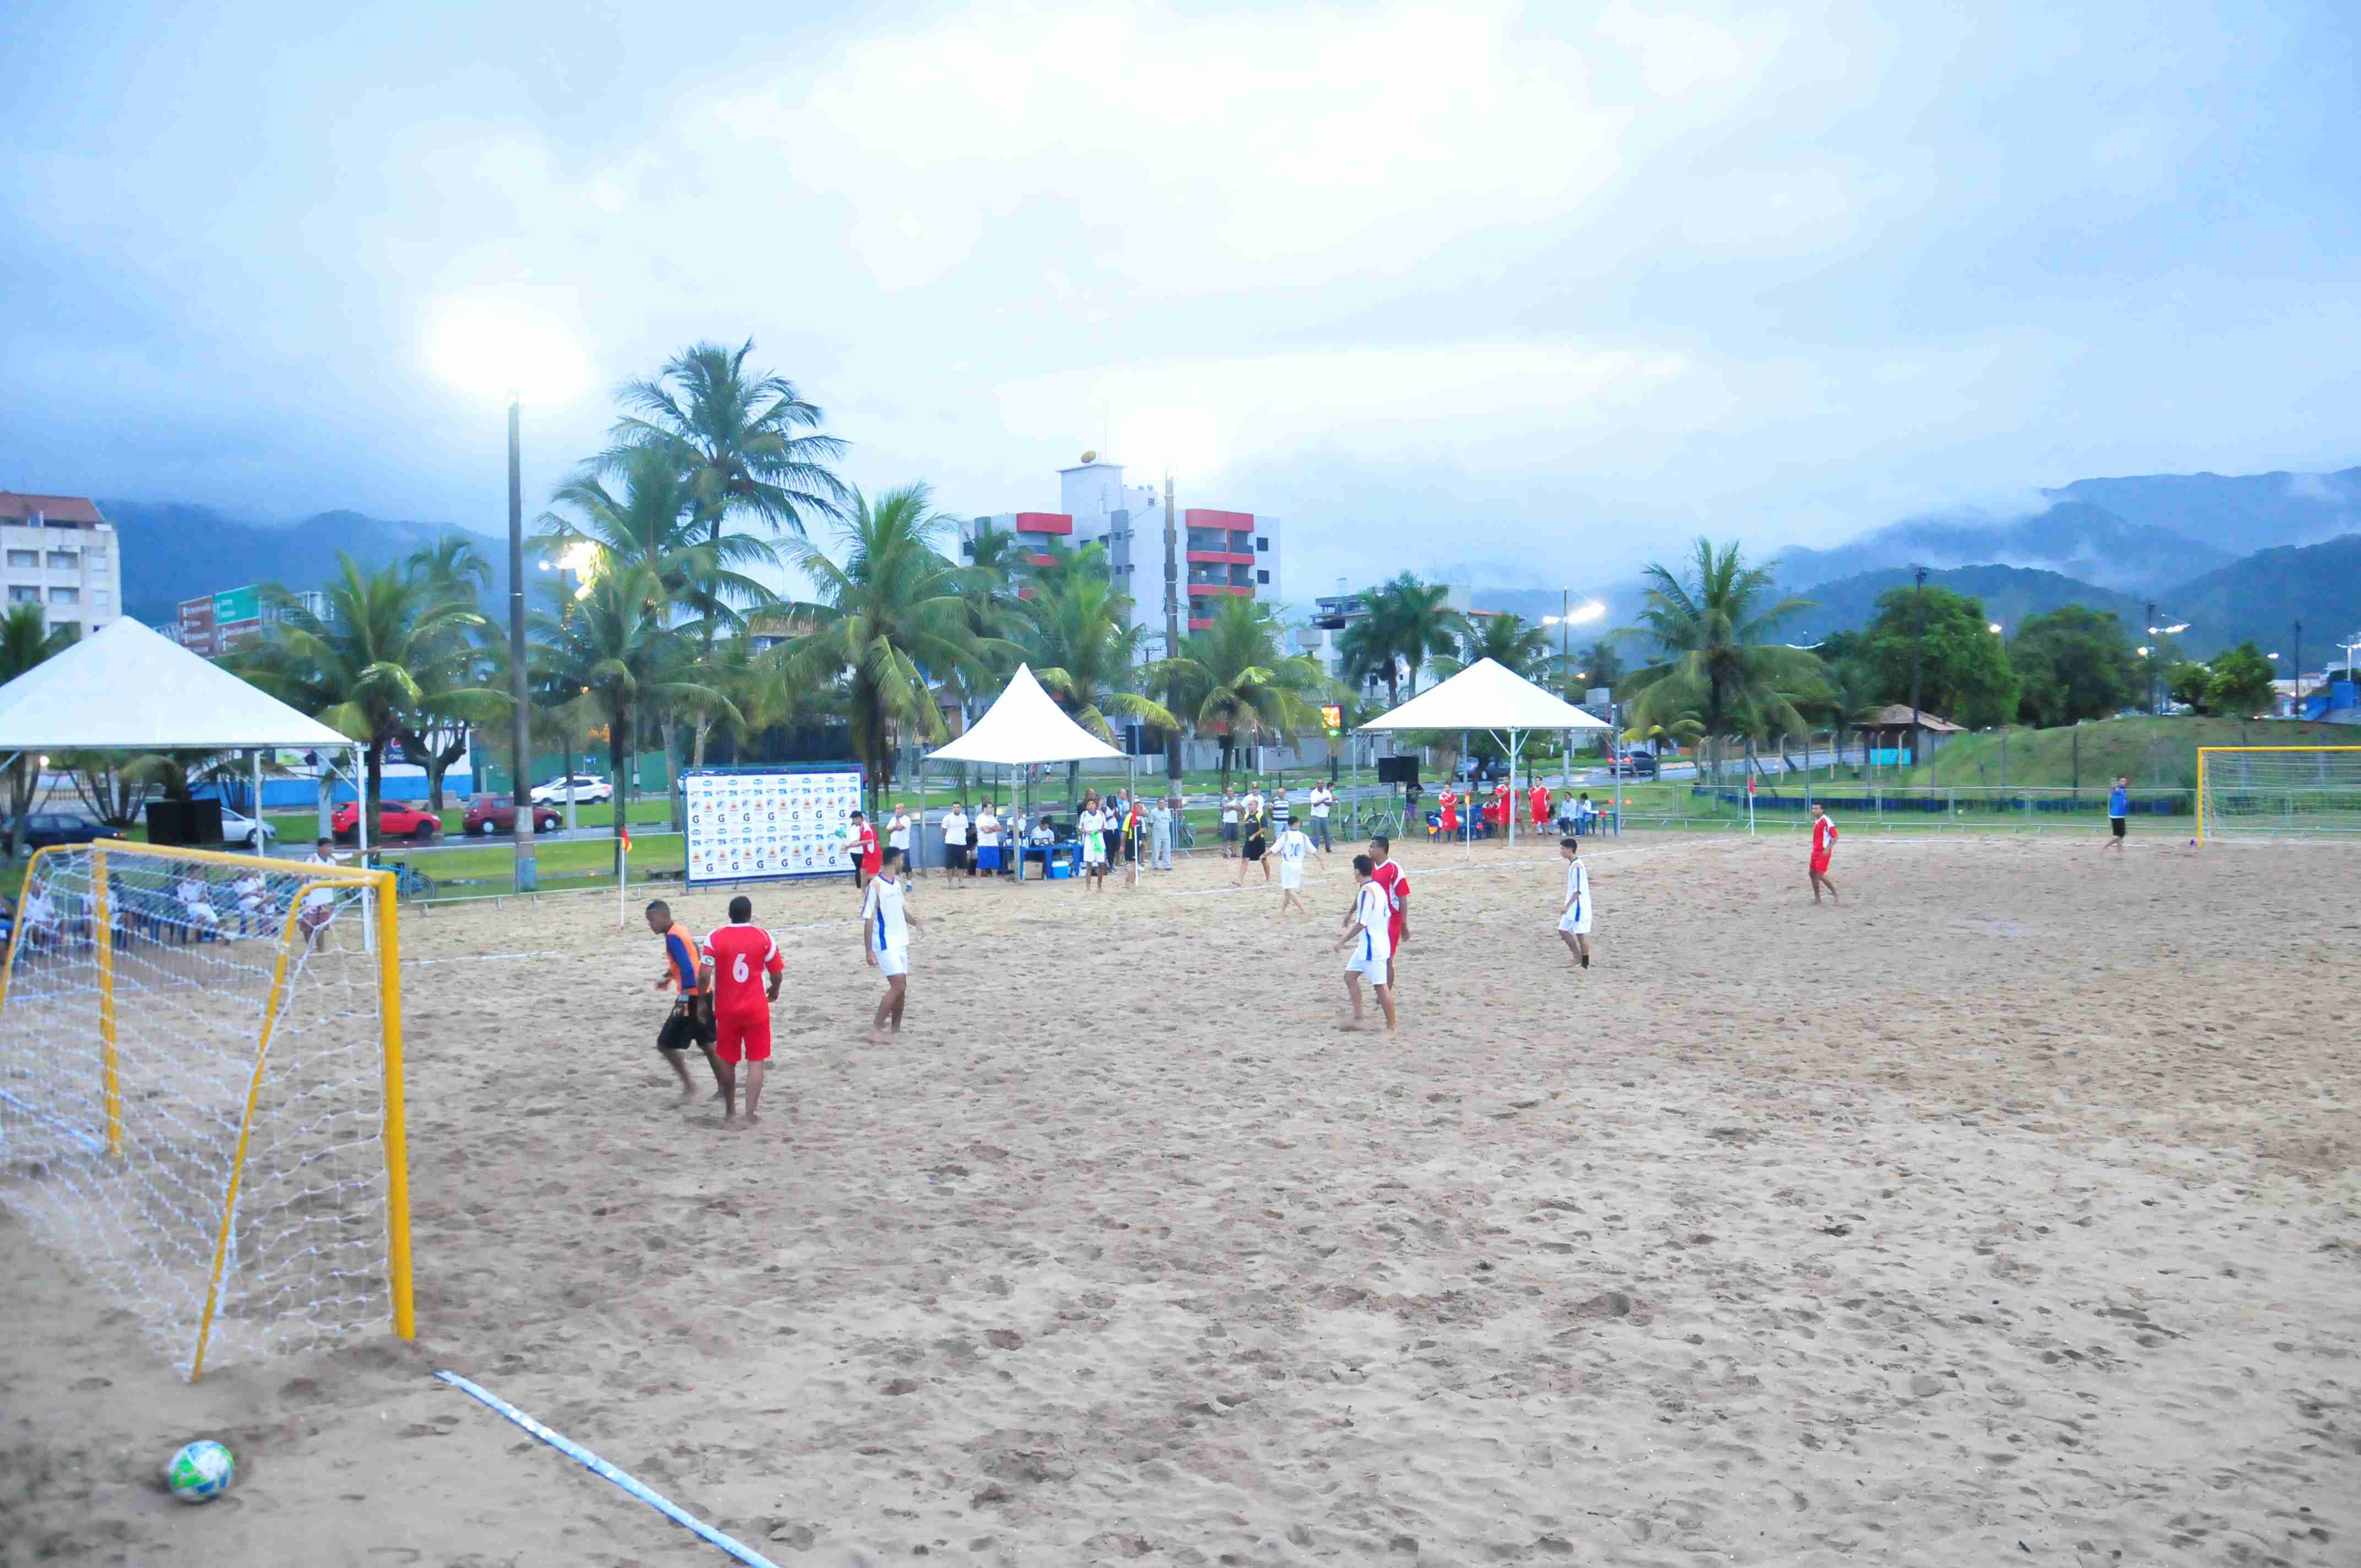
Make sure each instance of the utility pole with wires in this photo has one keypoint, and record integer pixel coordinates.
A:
(1171, 627)
(1917, 660)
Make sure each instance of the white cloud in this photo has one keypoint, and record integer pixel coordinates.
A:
(1241, 143)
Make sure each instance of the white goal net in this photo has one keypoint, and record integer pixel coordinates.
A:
(2278, 791)
(200, 1092)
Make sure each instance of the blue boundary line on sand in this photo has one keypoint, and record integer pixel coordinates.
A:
(599, 1467)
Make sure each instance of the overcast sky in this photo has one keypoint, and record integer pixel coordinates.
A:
(1580, 280)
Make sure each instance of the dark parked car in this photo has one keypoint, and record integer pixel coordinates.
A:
(43, 828)
(1634, 765)
(489, 814)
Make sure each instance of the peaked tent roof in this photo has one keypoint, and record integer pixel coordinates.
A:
(1487, 695)
(1024, 726)
(127, 688)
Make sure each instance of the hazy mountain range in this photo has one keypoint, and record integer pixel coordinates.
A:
(173, 551)
(2237, 558)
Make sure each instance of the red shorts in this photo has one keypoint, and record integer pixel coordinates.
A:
(1393, 934)
(1820, 864)
(742, 1037)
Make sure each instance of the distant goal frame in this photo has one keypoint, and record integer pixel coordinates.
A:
(2211, 762)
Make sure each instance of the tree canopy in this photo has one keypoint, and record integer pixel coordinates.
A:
(2073, 663)
(1965, 675)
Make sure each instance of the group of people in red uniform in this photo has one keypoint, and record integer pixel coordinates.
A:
(1493, 810)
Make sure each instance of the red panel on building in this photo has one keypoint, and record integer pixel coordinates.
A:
(1201, 626)
(1242, 591)
(1206, 516)
(1220, 558)
(1045, 523)
(1041, 559)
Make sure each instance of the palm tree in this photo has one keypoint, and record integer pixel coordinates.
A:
(1085, 649)
(606, 644)
(738, 437)
(1234, 677)
(699, 572)
(1509, 641)
(26, 638)
(454, 567)
(387, 653)
(1409, 621)
(891, 620)
(1711, 623)
(1600, 664)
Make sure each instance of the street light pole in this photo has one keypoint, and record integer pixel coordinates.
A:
(2151, 658)
(520, 720)
(2299, 669)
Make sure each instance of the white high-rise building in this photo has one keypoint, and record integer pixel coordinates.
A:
(62, 554)
(1221, 553)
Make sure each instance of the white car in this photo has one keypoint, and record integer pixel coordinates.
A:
(574, 786)
(238, 830)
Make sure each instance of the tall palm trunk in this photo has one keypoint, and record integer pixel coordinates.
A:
(668, 730)
(617, 741)
(20, 802)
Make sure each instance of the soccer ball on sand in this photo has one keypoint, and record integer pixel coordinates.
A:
(200, 1471)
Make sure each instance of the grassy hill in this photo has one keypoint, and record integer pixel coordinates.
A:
(2153, 752)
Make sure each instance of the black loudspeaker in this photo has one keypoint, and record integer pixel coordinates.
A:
(1398, 770)
(167, 822)
(205, 822)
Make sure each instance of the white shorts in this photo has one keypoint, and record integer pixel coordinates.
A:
(1578, 922)
(1371, 960)
(1290, 875)
(894, 960)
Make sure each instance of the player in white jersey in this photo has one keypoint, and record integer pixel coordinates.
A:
(1574, 918)
(885, 922)
(1294, 846)
(1369, 932)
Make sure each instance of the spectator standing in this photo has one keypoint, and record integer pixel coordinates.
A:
(1160, 834)
(1324, 798)
(1229, 821)
(954, 839)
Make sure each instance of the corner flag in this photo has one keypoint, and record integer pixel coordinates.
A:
(625, 834)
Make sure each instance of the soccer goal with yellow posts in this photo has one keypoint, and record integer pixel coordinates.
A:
(200, 1091)
(2285, 792)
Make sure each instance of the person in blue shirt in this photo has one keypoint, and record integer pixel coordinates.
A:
(2119, 810)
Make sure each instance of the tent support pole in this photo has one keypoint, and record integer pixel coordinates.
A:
(257, 756)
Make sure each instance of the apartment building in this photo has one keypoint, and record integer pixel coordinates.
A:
(1232, 554)
(58, 552)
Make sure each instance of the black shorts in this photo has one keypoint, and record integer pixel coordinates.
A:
(684, 1027)
(954, 856)
(1253, 850)
(2115, 825)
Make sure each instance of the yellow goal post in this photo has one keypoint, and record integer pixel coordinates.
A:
(201, 1093)
(2278, 792)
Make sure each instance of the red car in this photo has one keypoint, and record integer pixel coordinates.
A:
(490, 814)
(393, 821)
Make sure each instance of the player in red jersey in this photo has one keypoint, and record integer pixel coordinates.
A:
(1449, 802)
(736, 957)
(1824, 845)
(1389, 876)
(1541, 804)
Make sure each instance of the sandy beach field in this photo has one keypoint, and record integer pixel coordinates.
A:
(2009, 1212)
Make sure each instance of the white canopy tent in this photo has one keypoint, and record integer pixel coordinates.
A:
(127, 689)
(1489, 696)
(1024, 727)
